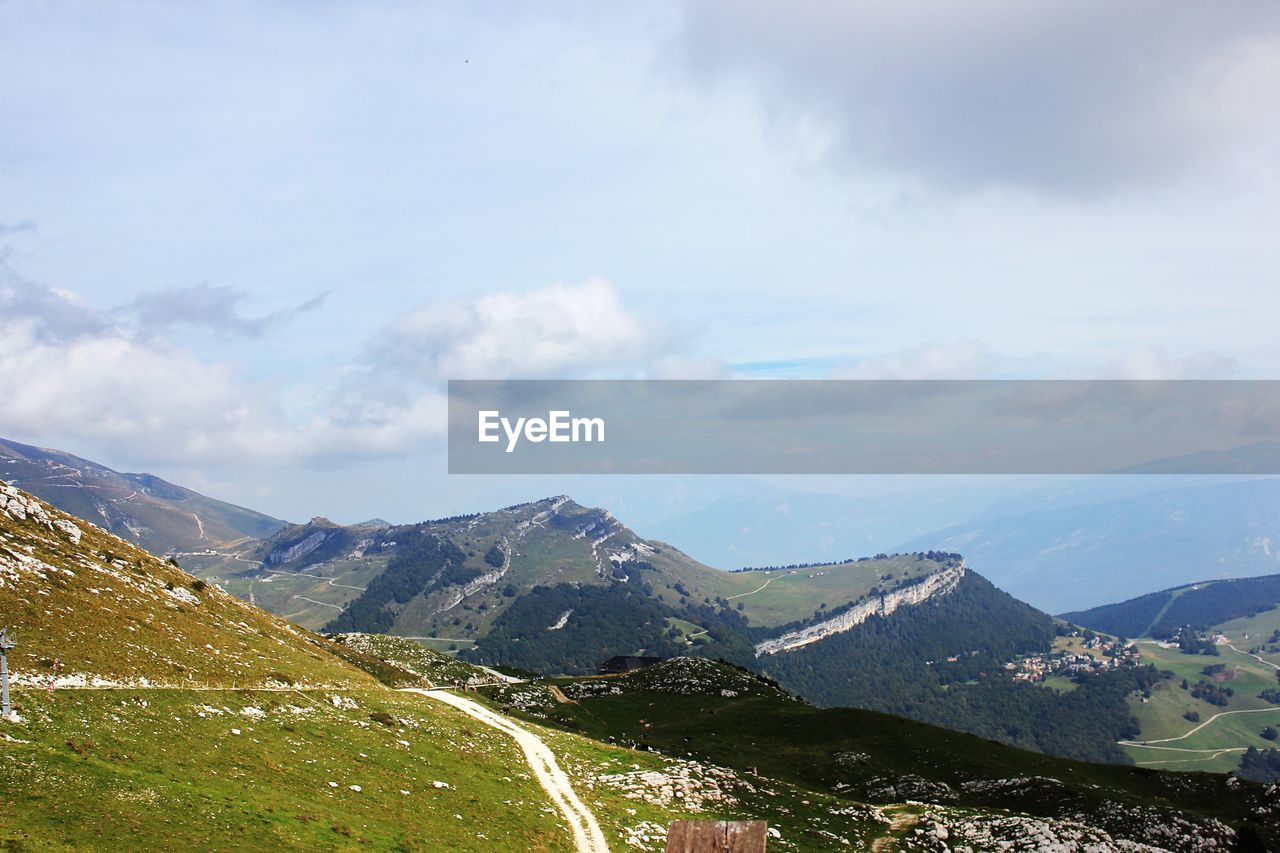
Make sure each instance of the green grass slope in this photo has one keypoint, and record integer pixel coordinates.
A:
(722, 715)
(87, 607)
(1216, 735)
(236, 770)
(184, 718)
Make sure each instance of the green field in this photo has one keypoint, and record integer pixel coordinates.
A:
(1250, 631)
(1216, 745)
(786, 595)
(118, 769)
(310, 598)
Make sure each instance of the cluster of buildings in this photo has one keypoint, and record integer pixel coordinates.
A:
(1099, 654)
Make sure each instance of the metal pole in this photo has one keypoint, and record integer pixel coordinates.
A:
(5, 645)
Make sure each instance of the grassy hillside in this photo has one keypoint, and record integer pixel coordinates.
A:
(265, 770)
(316, 754)
(107, 611)
(726, 716)
(433, 668)
(142, 508)
(1183, 732)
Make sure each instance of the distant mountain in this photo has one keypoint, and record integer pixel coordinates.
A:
(228, 728)
(1262, 457)
(1206, 604)
(556, 587)
(1091, 551)
(144, 509)
(573, 578)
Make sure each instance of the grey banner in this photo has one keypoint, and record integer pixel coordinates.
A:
(863, 427)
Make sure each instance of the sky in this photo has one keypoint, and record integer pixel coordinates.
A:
(244, 244)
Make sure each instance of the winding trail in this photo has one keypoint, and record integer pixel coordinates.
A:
(1196, 729)
(1255, 657)
(754, 591)
(321, 603)
(332, 581)
(587, 836)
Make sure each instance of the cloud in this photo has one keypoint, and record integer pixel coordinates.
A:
(559, 331)
(1057, 96)
(1156, 363)
(24, 225)
(49, 315)
(71, 373)
(211, 307)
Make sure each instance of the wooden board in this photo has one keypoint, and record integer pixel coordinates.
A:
(717, 836)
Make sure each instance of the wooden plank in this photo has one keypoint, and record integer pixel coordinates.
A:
(717, 836)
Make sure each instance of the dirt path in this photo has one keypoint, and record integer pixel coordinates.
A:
(900, 820)
(558, 695)
(321, 603)
(332, 581)
(1255, 657)
(1197, 728)
(587, 836)
(1213, 754)
(754, 591)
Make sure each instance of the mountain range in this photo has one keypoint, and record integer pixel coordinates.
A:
(154, 709)
(142, 508)
(555, 587)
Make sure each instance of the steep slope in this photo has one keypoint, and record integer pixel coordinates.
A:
(88, 607)
(947, 661)
(730, 717)
(144, 509)
(184, 718)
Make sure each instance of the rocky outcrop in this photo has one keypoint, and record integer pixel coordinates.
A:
(937, 584)
(279, 557)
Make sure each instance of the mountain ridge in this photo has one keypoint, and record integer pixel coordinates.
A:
(158, 515)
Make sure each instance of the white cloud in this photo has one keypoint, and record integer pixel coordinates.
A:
(1156, 363)
(1058, 95)
(69, 372)
(556, 331)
